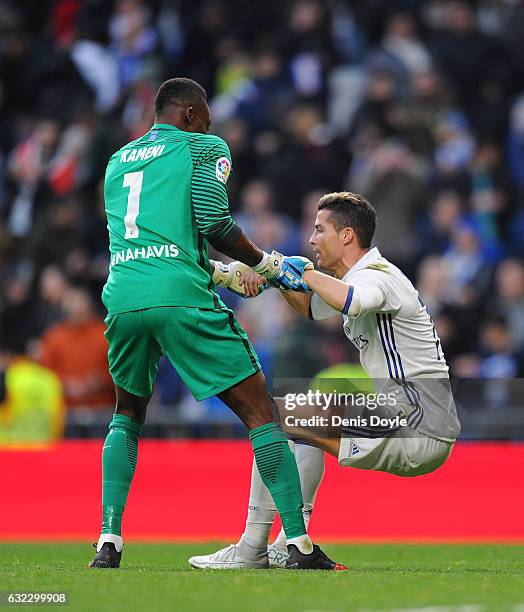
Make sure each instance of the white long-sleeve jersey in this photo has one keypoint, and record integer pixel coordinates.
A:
(398, 345)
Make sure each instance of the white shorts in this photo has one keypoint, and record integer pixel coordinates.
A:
(412, 456)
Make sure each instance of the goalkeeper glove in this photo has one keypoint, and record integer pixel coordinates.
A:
(285, 272)
(229, 275)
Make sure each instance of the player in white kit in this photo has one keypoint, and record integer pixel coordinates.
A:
(399, 349)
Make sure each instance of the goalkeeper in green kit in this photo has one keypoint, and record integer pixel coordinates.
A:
(165, 200)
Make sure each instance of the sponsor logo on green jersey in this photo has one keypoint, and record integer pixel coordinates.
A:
(164, 250)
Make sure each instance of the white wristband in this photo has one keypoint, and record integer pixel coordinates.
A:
(270, 265)
(262, 264)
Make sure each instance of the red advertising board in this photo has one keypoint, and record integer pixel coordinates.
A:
(198, 490)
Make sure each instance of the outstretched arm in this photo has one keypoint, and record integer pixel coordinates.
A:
(352, 300)
(336, 293)
(299, 302)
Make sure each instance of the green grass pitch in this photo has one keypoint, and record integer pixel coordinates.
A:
(464, 578)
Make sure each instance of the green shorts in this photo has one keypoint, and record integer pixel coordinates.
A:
(208, 348)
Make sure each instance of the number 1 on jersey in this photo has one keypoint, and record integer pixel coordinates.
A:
(133, 180)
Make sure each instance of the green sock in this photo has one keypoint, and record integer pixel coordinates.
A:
(278, 470)
(118, 467)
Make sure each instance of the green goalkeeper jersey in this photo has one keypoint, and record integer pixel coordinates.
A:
(165, 197)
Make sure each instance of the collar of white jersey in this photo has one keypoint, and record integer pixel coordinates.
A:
(371, 256)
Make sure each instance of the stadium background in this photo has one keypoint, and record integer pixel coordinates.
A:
(417, 104)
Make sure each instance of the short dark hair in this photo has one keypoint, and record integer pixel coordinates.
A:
(351, 210)
(179, 92)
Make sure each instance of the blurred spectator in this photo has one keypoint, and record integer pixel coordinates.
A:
(381, 94)
(393, 180)
(266, 227)
(265, 318)
(17, 322)
(417, 116)
(32, 406)
(28, 165)
(137, 113)
(498, 363)
(266, 95)
(516, 143)
(302, 159)
(451, 339)
(438, 223)
(453, 152)
(402, 45)
(466, 265)
(76, 350)
(48, 306)
(456, 321)
(509, 299)
(56, 236)
(307, 44)
(234, 69)
(205, 25)
(297, 354)
(499, 360)
(97, 65)
(489, 202)
(133, 38)
(432, 279)
(476, 64)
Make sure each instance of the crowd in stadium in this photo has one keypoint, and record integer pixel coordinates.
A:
(419, 105)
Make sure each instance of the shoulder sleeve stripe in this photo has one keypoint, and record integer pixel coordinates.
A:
(349, 299)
